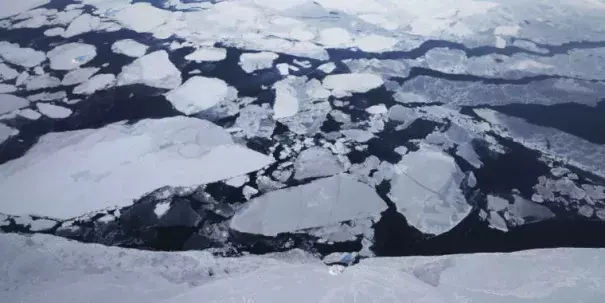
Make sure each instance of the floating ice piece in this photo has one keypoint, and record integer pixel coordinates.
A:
(30, 114)
(129, 47)
(161, 209)
(7, 88)
(82, 24)
(500, 42)
(92, 163)
(6, 132)
(283, 68)
(142, 17)
(286, 100)
(335, 37)
(7, 73)
(251, 62)
(316, 162)
(153, 70)
(238, 181)
(496, 203)
(11, 8)
(46, 96)
(55, 31)
(79, 75)
(327, 67)
(71, 56)
(343, 84)
(358, 135)
(42, 81)
(208, 54)
(200, 93)
(9, 103)
(38, 70)
(320, 203)
(379, 109)
(496, 221)
(22, 78)
(256, 121)
(375, 43)
(96, 83)
(26, 57)
(41, 225)
(427, 193)
(53, 111)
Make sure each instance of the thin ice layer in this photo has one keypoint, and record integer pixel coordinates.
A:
(85, 170)
(320, 203)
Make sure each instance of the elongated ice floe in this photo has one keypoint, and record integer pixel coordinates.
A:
(96, 83)
(208, 54)
(7, 73)
(26, 57)
(319, 203)
(6, 132)
(11, 8)
(71, 56)
(344, 84)
(200, 93)
(251, 62)
(155, 70)
(9, 103)
(79, 75)
(53, 111)
(82, 24)
(129, 47)
(7, 88)
(42, 81)
(81, 171)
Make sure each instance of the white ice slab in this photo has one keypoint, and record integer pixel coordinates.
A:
(82, 24)
(200, 93)
(55, 31)
(319, 203)
(251, 62)
(130, 48)
(286, 100)
(42, 81)
(23, 56)
(11, 8)
(316, 162)
(7, 73)
(327, 67)
(81, 171)
(94, 84)
(53, 111)
(7, 88)
(30, 114)
(5, 132)
(9, 103)
(142, 17)
(208, 54)
(343, 84)
(427, 193)
(71, 56)
(79, 75)
(155, 70)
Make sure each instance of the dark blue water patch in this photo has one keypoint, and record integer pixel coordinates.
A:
(580, 120)
(224, 193)
(330, 125)
(393, 236)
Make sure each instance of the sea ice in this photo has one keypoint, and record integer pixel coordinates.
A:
(26, 57)
(251, 62)
(96, 83)
(316, 162)
(200, 93)
(343, 84)
(207, 54)
(153, 70)
(79, 75)
(9, 103)
(71, 56)
(53, 111)
(129, 47)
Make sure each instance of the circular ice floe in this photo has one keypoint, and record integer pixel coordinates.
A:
(71, 56)
(53, 111)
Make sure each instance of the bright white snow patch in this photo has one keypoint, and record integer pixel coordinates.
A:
(327, 67)
(251, 62)
(319, 203)
(129, 47)
(207, 54)
(30, 114)
(9, 103)
(26, 57)
(428, 191)
(379, 109)
(161, 209)
(79, 171)
(71, 56)
(55, 31)
(153, 70)
(200, 93)
(79, 75)
(343, 84)
(11, 8)
(53, 111)
(96, 83)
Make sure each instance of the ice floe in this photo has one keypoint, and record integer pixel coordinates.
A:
(327, 67)
(375, 43)
(96, 83)
(155, 70)
(26, 57)
(7, 73)
(79, 75)
(320, 203)
(6, 132)
(208, 54)
(428, 191)
(53, 111)
(55, 31)
(9, 103)
(47, 96)
(82, 24)
(42, 81)
(316, 162)
(11, 8)
(256, 121)
(286, 101)
(74, 174)
(71, 56)
(344, 84)
(141, 17)
(200, 93)
(251, 62)
(30, 114)
(7, 88)
(130, 48)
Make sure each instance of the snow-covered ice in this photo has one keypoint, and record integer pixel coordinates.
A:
(343, 84)
(55, 31)
(200, 93)
(161, 209)
(327, 67)
(53, 111)
(7, 73)
(322, 202)
(129, 47)
(79, 75)
(427, 193)
(155, 70)
(47, 96)
(30, 114)
(71, 56)
(11, 8)
(208, 54)
(82, 24)
(42, 81)
(7, 88)
(41, 225)
(5, 132)
(96, 83)
(286, 100)
(26, 57)
(251, 62)
(77, 172)
(9, 103)
(316, 162)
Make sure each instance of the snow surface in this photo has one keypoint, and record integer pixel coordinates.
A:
(26, 57)
(79, 75)
(53, 111)
(97, 274)
(129, 47)
(251, 62)
(200, 93)
(9, 103)
(96, 83)
(427, 193)
(85, 170)
(208, 54)
(343, 84)
(71, 56)
(320, 203)
(155, 70)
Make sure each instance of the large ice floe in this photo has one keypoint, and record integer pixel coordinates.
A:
(85, 170)
(155, 70)
(200, 93)
(95, 273)
(71, 56)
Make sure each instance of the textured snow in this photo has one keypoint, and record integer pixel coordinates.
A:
(427, 193)
(7, 73)
(7, 88)
(96, 83)
(79, 75)
(155, 70)
(11, 8)
(200, 93)
(207, 54)
(316, 162)
(129, 47)
(71, 56)
(319, 203)
(79, 171)
(42, 81)
(343, 84)
(9, 103)
(26, 57)
(251, 62)
(53, 111)
(30, 114)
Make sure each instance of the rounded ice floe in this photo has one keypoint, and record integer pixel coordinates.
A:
(357, 135)
(200, 93)
(30, 114)
(155, 70)
(316, 162)
(85, 170)
(251, 62)
(26, 57)
(207, 54)
(343, 84)
(71, 56)
(428, 191)
(7, 73)
(96, 83)
(320, 203)
(335, 37)
(327, 67)
(79, 75)
(53, 111)
(55, 31)
(9, 103)
(82, 24)
(42, 81)
(129, 47)
(7, 88)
